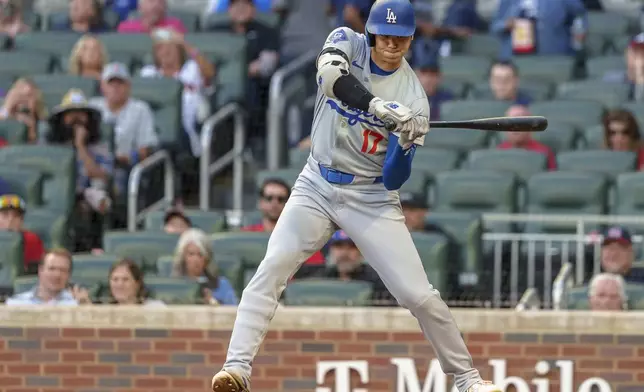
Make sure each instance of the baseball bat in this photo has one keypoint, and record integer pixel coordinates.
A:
(501, 124)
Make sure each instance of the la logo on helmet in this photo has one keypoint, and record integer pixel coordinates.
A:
(391, 17)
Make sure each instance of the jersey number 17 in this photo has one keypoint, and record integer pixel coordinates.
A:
(370, 141)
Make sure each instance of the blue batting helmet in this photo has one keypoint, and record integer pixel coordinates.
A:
(391, 17)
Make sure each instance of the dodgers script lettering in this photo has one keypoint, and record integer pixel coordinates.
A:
(436, 381)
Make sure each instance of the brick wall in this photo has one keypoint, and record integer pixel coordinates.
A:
(143, 358)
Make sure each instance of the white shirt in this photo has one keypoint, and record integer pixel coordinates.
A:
(65, 297)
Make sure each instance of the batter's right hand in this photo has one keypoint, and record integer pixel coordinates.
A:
(390, 109)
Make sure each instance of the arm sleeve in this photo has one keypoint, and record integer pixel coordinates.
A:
(397, 166)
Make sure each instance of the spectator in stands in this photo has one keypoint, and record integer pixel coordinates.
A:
(74, 122)
(273, 195)
(175, 222)
(135, 135)
(194, 258)
(524, 139)
(24, 102)
(127, 286)
(351, 13)
(85, 16)
(460, 21)
(12, 218)
(218, 6)
(617, 255)
(606, 293)
(53, 286)
(11, 22)
(621, 133)
(429, 74)
(416, 210)
(153, 14)
(504, 83)
(88, 57)
(347, 263)
(175, 58)
(635, 67)
(543, 27)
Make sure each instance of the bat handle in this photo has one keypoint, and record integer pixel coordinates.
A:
(390, 125)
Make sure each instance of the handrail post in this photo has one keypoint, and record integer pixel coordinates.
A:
(238, 161)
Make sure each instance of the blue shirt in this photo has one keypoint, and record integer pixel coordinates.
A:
(225, 293)
(122, 7)
(65, 297)
(363, 5)
(435, 102)
(260, 5)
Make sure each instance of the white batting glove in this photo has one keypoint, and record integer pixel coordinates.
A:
(415, 128)
(390, 109)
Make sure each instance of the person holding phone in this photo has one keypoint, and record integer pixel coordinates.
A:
(24, 102)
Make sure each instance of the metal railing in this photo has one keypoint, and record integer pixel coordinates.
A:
(235, 156)
(277, 105)
(134, 183)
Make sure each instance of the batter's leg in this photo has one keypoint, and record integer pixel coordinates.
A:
(387, 246)
(302, 229)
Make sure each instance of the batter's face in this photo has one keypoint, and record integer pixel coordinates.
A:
(617, 257)
(272, 201)
(389, 51)
(606, 296)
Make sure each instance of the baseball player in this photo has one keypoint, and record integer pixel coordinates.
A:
(351, 180)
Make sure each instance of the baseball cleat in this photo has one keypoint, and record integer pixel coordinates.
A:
(484, 386)
(226, 381)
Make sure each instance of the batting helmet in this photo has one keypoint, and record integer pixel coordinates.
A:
(390, 17)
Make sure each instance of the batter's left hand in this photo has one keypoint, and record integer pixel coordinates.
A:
(414, 128)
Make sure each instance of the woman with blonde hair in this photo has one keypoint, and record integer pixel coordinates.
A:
(24, 102)
(88, 57)
(194, 259)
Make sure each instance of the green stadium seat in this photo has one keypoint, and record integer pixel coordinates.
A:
(328, 292)
(13, 131)
(465, 68)
(599, 67)
(208, 221)
(538, 91)
(32, 19)
(608, 94)
(457, 87)
(144, 247)
(606, 162)
(11, 257)
(250, 246)
(175, 291)
(594, 137)
(165, 266)
(433, 250)
(297, 157)
(521, 163)
(476, 191)
(251, 217)
(558, 136)
(458, 110)
(20, 63)
(552, 69)
(577, 297)
(619, 44)
(461, 140)
(138, 44)
(92, 271)
(579, 114)
(287, 175)
(596, 45)
(158, 92)
(59, 44)
(417, 183)
(55, 86)
(50, 225)
(435, 160)
(607, 24)
(480, 45)
(22, 284)
(25, 182)
(4, 41)
(564, 193)
(168, 125)
(629, 197)
(221, 20)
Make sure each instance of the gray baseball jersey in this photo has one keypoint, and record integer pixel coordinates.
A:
(351, 140)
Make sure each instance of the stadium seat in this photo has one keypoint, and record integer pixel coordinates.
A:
(59, 44)
(457, 87)
(92, 271)
(11, 257)
(522, 163)
(250, 246)
(297, 157)
(208, 221)
(600, 67)
(167, 121)
(596, 45)
(287, 175)
(251, 217)
(558, 136)
(577, 298)
(433, 250)
(55, 86)
(606, 162)
(175, 291)
(50, 225)
(629, 197)
(607, 24)
(22, 284)
(4, 41)
(594, 137)
(435, 160)
(25, 182)
(190, 20)
(619, 44)
(144, 247)
(476, 191)
(551, 69)
(13, 131)
(216, 20)
(328, 292)
(158, 92)
(468, 109)
(480, 45)
(136, 44)
(564, 193)
(461, 140)
(21, 63)
(538, 91)
(579, 114)
(417, 183)
(610, 95)
(465, 68)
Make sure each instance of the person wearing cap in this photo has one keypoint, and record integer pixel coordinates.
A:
(176, 222)
(617, 254)
(429, 74)
(152, 14)
(347, 263)
(135, 137)
(633, 75)
(504, 83)
(12, 218)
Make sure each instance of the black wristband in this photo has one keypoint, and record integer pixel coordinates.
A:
(349, 90)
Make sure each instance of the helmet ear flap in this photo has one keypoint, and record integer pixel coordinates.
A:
(371, 39)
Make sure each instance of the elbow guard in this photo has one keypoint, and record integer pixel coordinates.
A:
(332, 64)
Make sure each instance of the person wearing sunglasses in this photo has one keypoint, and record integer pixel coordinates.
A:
(621, 133)
(273, 195)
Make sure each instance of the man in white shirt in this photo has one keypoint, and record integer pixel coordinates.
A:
(135, 136)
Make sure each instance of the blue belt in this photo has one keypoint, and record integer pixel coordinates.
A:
(341, 178)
